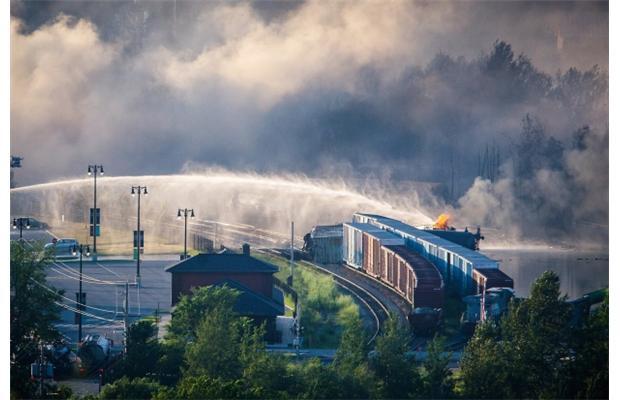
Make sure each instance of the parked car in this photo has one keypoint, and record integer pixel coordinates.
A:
(63, 247)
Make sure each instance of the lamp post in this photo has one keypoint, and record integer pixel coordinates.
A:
(138, 190)
(21, 223)
(185, 212)
(81, 249)
(92, 170)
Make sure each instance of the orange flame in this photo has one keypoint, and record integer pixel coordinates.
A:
(442, 222)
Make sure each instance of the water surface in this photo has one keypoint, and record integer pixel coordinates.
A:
(580, 272)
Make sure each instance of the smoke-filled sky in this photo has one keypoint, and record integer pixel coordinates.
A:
(399, 90)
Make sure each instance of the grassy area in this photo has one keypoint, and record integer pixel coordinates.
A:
(324, 309)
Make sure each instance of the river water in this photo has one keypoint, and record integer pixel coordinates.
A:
(580, 272)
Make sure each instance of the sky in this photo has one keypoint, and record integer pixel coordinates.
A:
(398, 91)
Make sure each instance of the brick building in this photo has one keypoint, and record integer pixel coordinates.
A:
(251, 277)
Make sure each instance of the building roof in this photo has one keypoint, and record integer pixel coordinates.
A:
(226, 262)
(326, 231)
(250, 303)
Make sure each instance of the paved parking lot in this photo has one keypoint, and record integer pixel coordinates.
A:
(104, 285)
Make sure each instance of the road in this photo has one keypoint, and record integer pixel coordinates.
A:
(104, 284)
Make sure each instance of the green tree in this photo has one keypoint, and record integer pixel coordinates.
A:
(130, 389)
(590, 376)
(171, 361)
(529, 356)
(436, 376)
(536, 339)
(265, 374)
(353, 349)
(204, 387)
(397, 374)
(191, 310)
(351, 362)
(143, 350)
(33, 313)
(217, 348)
(313, 380)
(482, 366)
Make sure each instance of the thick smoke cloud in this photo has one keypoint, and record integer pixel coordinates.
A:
(395, 91)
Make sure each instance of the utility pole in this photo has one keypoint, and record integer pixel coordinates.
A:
(41, 369)
(292, 249)
(185, 212)
(139, 237)
(81, 248)
(21, 223)
(298, 329)
(483, 316)
(126, 319)
(215, 236)
(94, 214)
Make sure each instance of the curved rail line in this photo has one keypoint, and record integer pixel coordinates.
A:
(376, 307)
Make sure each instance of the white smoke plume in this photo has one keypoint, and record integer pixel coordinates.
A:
(400, 91)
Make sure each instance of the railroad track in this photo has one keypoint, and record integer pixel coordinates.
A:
(377, 309)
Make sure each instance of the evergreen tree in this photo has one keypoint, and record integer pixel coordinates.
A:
(33, 313)
(436, 376)
(216, 350)
(130, 389)
(397, 374)
(482, 366)
(143, 350)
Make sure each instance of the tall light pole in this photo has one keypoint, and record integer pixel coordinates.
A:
(139, 190)
(185, 212)
(21, 223)
(94, 214)
(82, 249)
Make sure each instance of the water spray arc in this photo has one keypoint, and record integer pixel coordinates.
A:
(246, 199)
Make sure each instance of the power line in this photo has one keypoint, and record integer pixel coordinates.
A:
(71, 300)
(77, 279)
(109, 270)
(83, 312)
(87, 276)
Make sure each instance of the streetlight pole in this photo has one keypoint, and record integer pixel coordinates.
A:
(92, 170)
(81, 248)
(139, 190)
(185, 212)
(21, 223)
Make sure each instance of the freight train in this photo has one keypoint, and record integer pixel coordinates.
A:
(418, 264)
(384, 256)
